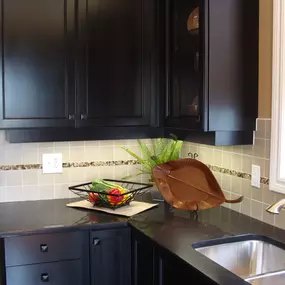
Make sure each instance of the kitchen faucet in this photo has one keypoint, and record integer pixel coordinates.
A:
(276, 207)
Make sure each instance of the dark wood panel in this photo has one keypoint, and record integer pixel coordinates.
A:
(115, 62)
(57, 273)
(143, 260)
(111, 257)
(233, 64)
(43, 248)
(79, 134)
(37, 63)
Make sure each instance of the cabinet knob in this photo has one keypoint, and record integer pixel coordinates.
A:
(71, 117)
(44, 277)
(44, 247)
(96, 241)
(83, 116)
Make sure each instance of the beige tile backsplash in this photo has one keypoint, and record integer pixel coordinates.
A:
(19, 185)
(240, 158)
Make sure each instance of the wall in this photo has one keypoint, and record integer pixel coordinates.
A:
(265, 58)
(21, 177)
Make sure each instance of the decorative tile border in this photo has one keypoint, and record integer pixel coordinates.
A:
(70, 165)
(213, 168)
(235, 173)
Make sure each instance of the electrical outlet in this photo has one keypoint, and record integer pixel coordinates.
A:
(52, 163)
(255, 176)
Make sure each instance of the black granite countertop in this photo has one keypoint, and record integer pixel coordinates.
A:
(175, 231)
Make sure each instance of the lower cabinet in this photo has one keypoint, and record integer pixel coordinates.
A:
(56, 273)
(143, 260)
(110, 258)
(153, 265)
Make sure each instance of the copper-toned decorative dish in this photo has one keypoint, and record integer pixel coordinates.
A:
(189, 184)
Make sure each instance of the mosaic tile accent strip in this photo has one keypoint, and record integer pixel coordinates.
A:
(213, 168)
(70, 165)
(235, 173)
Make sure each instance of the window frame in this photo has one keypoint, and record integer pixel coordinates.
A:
(277, 155)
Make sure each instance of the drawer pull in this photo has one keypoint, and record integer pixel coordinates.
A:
(96, 241)
(44, 277)
(44, 248)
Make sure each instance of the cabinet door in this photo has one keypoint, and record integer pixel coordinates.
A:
(185, 20)
(110, 257)
(115, 62)
(143, 261)
(172, 270)
(37, 76)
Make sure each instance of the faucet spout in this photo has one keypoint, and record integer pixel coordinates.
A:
(276, 207)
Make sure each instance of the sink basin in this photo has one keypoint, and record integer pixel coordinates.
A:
(257, 259)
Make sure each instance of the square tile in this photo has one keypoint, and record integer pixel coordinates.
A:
(246, 164)
(246, 206)
(256, 194)
(260, 129)
(246, 188)
(226, 182)
(14, 194)
(227, 160)
(267, 217)
(45, 179)
(77, 154)
(30, 177)
(256, 210)
(236, 207)
(236, 162)
(14, 178)
(259, 148)
(31, 193)
(47, 192)
(268, 129)
(106, 153)
(61, 191)
(236, 184)
(268, 196)
(218, 158)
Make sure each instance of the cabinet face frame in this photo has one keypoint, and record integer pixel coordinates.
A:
(277, 155)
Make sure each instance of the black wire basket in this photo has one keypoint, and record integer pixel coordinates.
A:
(108, 200)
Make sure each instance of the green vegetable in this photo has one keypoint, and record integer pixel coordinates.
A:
(101, 185)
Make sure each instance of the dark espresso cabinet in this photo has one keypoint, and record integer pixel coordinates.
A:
(115, 43)
(212, 69)
(74, 63)
(109, 69)
(37, 63)
(110, 257)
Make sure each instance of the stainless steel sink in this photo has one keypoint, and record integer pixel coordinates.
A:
(258, 260)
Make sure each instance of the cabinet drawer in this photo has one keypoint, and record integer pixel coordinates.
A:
(42, 248)
(57, 273)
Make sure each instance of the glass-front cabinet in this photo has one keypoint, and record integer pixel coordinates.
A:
(185, 64)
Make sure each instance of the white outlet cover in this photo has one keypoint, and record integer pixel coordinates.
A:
(255, 176)
(52, 163)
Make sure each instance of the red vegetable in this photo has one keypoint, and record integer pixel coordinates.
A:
(93, 198)
(114, 200)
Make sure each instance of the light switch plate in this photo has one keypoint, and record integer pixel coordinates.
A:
(52, 163)
(255, 176)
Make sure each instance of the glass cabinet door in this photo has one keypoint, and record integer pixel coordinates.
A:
(185, 68)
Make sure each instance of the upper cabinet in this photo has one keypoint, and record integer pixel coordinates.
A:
(115, 53)
(125, 69)
(37, 63)
(68, 63)
(212, 68)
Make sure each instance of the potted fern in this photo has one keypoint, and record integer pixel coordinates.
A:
(161, 151)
